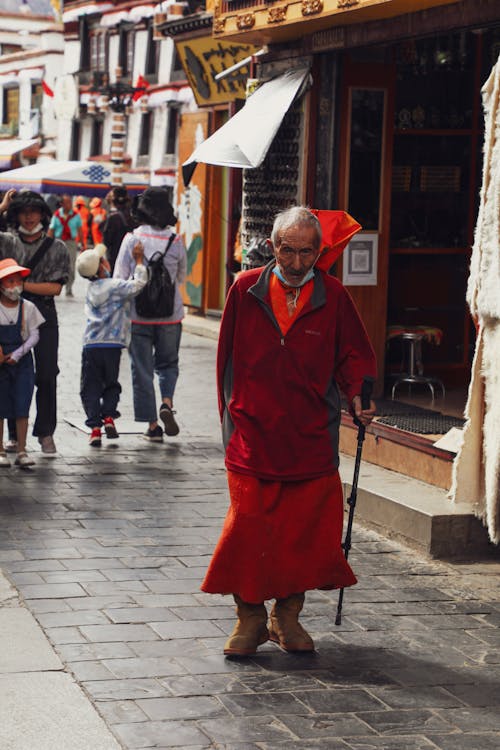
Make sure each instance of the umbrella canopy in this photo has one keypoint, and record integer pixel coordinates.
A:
(245, 139)
(73, 177)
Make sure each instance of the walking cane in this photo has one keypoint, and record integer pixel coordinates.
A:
(366, 392)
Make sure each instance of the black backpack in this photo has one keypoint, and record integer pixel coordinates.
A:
(156, 300)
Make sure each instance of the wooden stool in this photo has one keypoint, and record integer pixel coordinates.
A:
(412, 343)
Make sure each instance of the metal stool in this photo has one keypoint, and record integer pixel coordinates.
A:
(413, 346)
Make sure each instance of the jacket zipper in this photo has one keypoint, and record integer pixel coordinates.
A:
(270, 313)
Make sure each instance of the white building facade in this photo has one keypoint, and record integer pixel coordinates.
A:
(31, 51)
(105, 43)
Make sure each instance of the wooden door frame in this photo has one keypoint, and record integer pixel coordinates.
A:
(375, 76)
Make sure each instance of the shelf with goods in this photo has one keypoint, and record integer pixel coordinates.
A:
(436, 151)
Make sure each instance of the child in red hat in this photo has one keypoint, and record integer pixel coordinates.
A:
(19, 324)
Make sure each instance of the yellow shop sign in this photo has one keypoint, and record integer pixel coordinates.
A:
(203, 58)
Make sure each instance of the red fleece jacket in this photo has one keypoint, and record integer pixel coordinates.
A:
(279, 395)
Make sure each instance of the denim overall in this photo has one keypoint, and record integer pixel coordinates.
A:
(16, 381)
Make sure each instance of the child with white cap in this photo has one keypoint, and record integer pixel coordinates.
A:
(19, 324)
(107, 332)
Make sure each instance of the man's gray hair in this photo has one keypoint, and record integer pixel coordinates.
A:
(295, 216)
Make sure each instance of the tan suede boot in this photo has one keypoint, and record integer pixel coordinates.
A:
(250, 631)
(285, 627)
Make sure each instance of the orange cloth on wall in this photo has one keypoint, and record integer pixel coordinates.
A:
(280, 538)
(284, 313)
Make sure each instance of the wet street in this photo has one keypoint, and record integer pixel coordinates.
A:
(107, 548)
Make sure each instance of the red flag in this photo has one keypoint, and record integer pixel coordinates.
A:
(338, 228)
(141, 83)
(46, 89)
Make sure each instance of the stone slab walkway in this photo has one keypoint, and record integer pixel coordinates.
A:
(107, 549)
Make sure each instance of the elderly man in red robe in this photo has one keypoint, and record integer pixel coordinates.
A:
(290, 339)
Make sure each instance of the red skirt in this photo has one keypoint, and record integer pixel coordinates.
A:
(280, 538)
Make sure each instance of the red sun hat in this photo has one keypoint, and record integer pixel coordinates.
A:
(8, 267)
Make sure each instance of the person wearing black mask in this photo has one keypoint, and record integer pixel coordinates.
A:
(28, 217)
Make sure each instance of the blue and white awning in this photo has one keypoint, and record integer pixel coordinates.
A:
(74, 177)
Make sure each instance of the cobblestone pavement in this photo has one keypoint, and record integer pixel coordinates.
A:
(107, 548)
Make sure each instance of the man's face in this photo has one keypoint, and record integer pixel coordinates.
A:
(66, 203)
(29, 218)
(296, 252)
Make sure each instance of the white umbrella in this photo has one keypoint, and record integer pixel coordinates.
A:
(245, 139)
(91, 178)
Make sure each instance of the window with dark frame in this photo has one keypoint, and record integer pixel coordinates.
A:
(178, 73)
(126, 50)
(98, 50)
(36, 95)
(172, 127)
(10, 49)
(75, 140)
(84, 44)
(10, 106)
(96, 137)
(145, 133)
(152, 53)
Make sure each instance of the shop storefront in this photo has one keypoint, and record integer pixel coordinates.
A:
(391, 131)
(407, 165)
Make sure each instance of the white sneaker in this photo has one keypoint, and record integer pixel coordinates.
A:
(11, 446)
(23, 460)
(49, 449)
(4, 461)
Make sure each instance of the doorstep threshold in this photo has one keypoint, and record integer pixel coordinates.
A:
(419, 514)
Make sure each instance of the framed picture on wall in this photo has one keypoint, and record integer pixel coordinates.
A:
(360, 260)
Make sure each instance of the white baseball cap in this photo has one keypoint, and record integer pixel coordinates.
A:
(87, 263)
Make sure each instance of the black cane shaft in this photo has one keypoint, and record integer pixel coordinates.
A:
(366, 392)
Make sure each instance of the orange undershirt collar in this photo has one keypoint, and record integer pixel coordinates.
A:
(287, 302)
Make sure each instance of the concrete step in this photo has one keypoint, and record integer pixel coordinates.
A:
(416, 513)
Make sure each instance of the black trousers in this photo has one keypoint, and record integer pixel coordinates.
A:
(99, 386)
(46, 372)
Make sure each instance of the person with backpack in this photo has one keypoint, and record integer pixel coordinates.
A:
(117, 223)
(157, 312)
(28, 216)
(66, 225)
